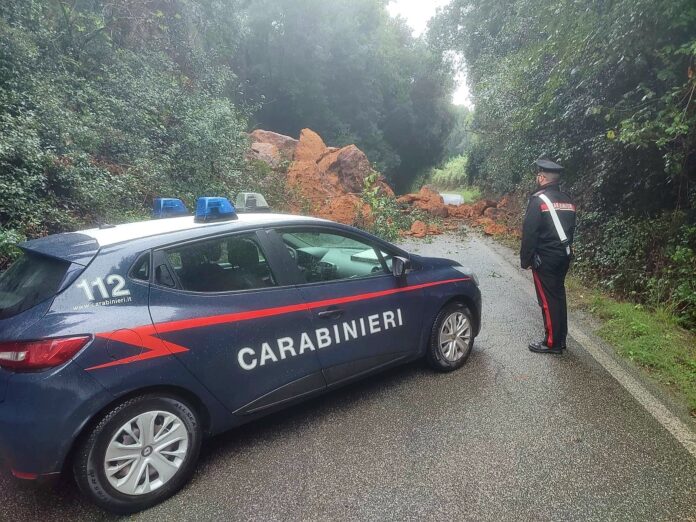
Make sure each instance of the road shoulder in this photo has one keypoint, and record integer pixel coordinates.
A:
(671, 412)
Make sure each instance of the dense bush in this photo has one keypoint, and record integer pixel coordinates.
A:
(104, 105)
(652, 260)
(99, 113)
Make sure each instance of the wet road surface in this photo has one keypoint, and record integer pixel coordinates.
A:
(511, 436)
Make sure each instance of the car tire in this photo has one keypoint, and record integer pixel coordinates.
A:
(165, 435)
(449, 350)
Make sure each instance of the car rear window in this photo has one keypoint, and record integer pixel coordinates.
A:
(30, 280)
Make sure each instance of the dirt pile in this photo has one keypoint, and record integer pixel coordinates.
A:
(427, 200)
(495, 218)
(420, 229)
(323, 181)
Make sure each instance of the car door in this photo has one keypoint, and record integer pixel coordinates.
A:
(228, 313)
(364, 317)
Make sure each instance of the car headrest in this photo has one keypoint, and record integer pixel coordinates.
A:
(213, 251)
(242, 253)
(191, 257)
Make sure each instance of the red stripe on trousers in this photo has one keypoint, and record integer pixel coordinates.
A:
(545, 306)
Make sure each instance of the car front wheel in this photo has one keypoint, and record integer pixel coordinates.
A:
(451, 338)
(140, 453)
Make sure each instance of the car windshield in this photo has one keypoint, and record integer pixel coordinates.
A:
(32, 279)
(318, 239)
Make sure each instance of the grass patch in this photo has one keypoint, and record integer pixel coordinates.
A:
(469, 194)
(650, 338)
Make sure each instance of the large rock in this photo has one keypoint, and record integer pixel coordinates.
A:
(348, 208)
(271, 147)
(428, 200)
(268, 153)
(431, 202)
(310, 147)
(327, 181)
(419, 229)
(480, 206)
(460, 211)
(349, 164)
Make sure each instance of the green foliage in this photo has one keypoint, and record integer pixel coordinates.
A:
(8, 248)
(649, 260)
(452, 175)
(387, 219)
(104, 105)
(608, 89)
(604, 88)
(461, 139)
(653, 341)
(352, 73)
(100, 112)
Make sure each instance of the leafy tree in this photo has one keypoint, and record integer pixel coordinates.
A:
(352, 73)
(103, 106)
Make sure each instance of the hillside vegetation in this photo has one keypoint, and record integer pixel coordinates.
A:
(607, 89)
(104, 105)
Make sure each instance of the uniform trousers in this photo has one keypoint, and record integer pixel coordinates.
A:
(549, 281)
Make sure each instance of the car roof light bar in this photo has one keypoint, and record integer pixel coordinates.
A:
(168, 207)
(209, 209)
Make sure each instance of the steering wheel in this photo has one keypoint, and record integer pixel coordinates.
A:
(292, 252)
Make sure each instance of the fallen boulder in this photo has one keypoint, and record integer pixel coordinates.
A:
(310, 147)
(493, 213)
(418, 229)
(271, 147)
(480, 206)
(460, 211)
(328, 181)
(266, 152)
(427, 200)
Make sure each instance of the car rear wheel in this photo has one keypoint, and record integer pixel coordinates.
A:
(140, 453)
(451, 338)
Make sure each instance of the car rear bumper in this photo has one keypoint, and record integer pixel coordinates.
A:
(41, 416)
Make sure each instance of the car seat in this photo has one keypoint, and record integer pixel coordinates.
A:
(200, 271)
(243, 255)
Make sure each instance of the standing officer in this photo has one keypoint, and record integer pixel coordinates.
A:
(547, 236)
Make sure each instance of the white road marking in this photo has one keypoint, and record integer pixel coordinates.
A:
(679, 430)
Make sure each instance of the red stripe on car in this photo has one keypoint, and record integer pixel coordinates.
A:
(156, 347)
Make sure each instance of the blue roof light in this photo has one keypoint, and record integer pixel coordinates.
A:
(168, 207)
(214, 209)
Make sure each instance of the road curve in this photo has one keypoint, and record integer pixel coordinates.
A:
(511, 436)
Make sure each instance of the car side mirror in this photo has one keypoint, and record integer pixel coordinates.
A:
(399, 266)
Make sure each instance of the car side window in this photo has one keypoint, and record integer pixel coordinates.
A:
(141, 268)
(223, 264)
(331, 256)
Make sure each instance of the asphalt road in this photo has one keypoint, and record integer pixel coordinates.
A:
(511, 436)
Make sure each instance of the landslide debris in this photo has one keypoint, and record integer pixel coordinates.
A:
(323, 181)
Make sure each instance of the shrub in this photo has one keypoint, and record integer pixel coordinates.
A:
(387, 219)
(651, 260)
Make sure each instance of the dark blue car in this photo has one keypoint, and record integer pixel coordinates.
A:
(122, 347)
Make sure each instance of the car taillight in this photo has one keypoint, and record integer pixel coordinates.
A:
(38, 355)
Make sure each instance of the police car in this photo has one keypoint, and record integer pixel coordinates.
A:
(122, 347)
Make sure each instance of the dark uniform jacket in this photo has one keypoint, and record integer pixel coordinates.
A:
(539, 236)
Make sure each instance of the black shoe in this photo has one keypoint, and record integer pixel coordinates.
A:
(540, 347)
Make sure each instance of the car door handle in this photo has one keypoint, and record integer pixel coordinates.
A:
(331, 313)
